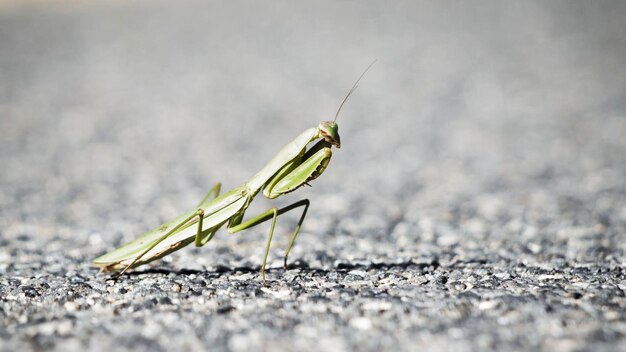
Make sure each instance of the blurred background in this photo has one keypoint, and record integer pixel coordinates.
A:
(117, 116)
(487, 130)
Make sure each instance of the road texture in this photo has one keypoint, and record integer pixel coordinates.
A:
(478, 201)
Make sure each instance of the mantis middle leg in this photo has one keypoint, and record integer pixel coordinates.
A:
(271, 214)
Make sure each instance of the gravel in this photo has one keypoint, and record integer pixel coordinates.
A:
(478, 201)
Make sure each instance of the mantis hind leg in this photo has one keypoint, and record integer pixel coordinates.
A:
(214, 191)
(271, 214)
(203, 237)
(199, 213)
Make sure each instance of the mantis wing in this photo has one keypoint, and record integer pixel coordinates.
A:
(119, 258)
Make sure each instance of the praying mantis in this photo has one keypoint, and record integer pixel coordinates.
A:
(293, 167)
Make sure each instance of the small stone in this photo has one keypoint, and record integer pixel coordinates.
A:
(64, 328)
(361, 323)
(71, 306)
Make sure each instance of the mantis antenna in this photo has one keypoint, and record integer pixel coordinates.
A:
(353, 88)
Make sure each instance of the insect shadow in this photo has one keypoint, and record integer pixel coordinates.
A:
(301, 265)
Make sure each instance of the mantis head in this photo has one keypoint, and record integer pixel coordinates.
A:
(329, 130)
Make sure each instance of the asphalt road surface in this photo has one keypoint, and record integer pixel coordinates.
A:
(478, 201)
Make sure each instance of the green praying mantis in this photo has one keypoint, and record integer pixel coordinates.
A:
(293, 167)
